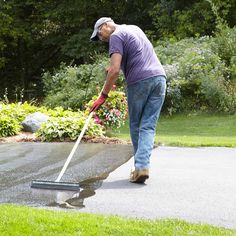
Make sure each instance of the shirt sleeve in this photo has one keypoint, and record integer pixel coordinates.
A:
(115, 45)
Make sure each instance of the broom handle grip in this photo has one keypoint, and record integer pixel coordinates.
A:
(74, 148)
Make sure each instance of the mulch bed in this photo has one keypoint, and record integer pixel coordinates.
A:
(30, 137)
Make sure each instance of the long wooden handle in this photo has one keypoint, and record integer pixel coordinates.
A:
(74, 148)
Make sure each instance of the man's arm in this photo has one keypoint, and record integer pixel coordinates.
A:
(112, 75)
(112, 72)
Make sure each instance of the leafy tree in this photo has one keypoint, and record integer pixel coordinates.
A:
(180, 19)
(39, 35)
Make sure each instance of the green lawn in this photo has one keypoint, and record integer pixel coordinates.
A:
(192, 130)
(20, 221)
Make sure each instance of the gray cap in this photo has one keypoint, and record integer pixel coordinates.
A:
(99, 22)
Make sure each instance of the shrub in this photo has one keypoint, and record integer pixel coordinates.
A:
(61, 125)
(174, 97)
(67, 127)
(233, 68)
(231, 96)
(8, 126)
(20, 110)
(13, 110)
(72, 86)
(12, 115)
(169, 52)
(60, 112)
(202, 74)
(113, 113)
(198, 74)
(224, 43)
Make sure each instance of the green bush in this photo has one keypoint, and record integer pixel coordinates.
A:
(202, 74)
(12, 115)
(169, 52)
(60, 112)
(8, 126)
(196, 79)
(20, 110)
(174, 97)
(199, 75)
(61, 125)
(72, 86)
(64, 127)
(233, 68)
(231, 96)
(224, 44)
(113, 113)
(14, 110)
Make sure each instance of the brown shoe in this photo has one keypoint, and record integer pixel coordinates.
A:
(139, 176)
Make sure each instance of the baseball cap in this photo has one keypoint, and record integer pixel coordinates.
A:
(98, 23)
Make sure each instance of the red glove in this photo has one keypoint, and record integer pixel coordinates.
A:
(101, 99)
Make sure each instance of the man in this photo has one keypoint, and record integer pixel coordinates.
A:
(133, 53)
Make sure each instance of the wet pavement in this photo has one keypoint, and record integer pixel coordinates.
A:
(193, 184)
(22, 162)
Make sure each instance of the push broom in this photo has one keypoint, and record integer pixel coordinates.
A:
(43, 184)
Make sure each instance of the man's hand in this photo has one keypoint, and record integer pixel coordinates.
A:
(101, 99)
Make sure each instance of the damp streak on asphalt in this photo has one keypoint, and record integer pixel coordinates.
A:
(20, 163)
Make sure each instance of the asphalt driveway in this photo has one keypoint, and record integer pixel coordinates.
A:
(194, 184)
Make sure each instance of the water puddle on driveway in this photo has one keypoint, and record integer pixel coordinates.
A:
(69, 199)
(23, 162)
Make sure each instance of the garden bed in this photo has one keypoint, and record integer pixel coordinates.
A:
(31, 137)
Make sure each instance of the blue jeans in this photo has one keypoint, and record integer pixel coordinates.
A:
(145, 100)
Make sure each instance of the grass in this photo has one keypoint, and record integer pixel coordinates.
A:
(192, 130)
(21, 220)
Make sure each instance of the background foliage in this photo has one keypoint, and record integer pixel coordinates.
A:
(62, 124)
(201, 75)
(37, 35)
(45, 52)
(72, 86)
